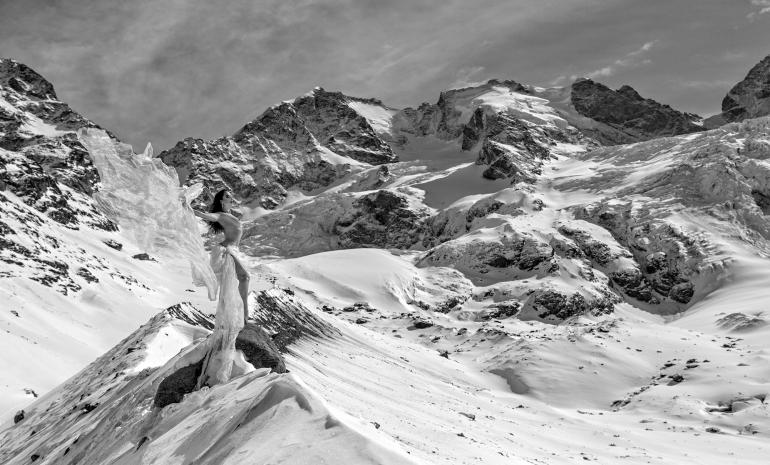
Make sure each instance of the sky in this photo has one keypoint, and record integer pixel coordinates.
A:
(163, 70)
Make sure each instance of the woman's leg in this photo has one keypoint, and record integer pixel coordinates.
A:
(243, 288)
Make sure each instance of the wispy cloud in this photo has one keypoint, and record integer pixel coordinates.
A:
(630, 60)
(469, 76)
(763, 7)
(703, 84)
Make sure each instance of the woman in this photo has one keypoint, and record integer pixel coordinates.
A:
(221, 220)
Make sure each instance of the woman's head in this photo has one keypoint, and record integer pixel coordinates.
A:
(223, 202)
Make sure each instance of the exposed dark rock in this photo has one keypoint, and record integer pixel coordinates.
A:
(595, 250)
(501, 310)
(762, 200)
(382, 219)
(675, 379)
(89, 407)
(87, 275)
(174, 387)
(287, 320)
(113, 244)
(668, 257)
(633, 283)
(449, 304)
(515, 254)
(422, 323)
(750, 98)
(682, 292)
(24, 79)
(18, 417)
(632, 117)
(510, 147)
(259, 349)
(359, 307)
(143, 256)
(552, 305)
(186, 312)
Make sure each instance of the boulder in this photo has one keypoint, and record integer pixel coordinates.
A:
(259, 349)
(174, 387)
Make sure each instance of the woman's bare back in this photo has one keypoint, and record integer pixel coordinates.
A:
(232, 229)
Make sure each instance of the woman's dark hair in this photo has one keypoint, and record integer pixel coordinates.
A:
(216, 206)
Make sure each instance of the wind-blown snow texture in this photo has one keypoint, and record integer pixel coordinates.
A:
(475, 281)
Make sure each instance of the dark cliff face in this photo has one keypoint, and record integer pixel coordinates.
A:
(750, 98)
(630, 117)
(24, 80)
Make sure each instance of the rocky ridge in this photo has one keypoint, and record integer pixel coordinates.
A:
(306, 144)
(630, 117)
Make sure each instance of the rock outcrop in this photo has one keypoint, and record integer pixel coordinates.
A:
(257, 347)
(384, 219)
(508, 256)
(628, 116)
(750, 98)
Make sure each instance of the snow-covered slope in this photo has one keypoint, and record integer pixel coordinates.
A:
(388, 386)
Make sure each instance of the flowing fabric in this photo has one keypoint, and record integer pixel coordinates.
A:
(142, 195)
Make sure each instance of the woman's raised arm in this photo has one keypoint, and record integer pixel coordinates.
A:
(207, 216)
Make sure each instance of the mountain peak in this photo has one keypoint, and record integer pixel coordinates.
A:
(750, 98)
(629, 92)
(24, 79)
(632, 116)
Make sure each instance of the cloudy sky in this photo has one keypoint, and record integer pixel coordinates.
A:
(162, 70)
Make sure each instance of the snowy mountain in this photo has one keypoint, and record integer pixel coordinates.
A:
(499, 277)
(307, 143)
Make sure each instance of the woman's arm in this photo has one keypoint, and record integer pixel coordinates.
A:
(207, 216)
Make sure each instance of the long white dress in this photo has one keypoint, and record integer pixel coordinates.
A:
(221, 361)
